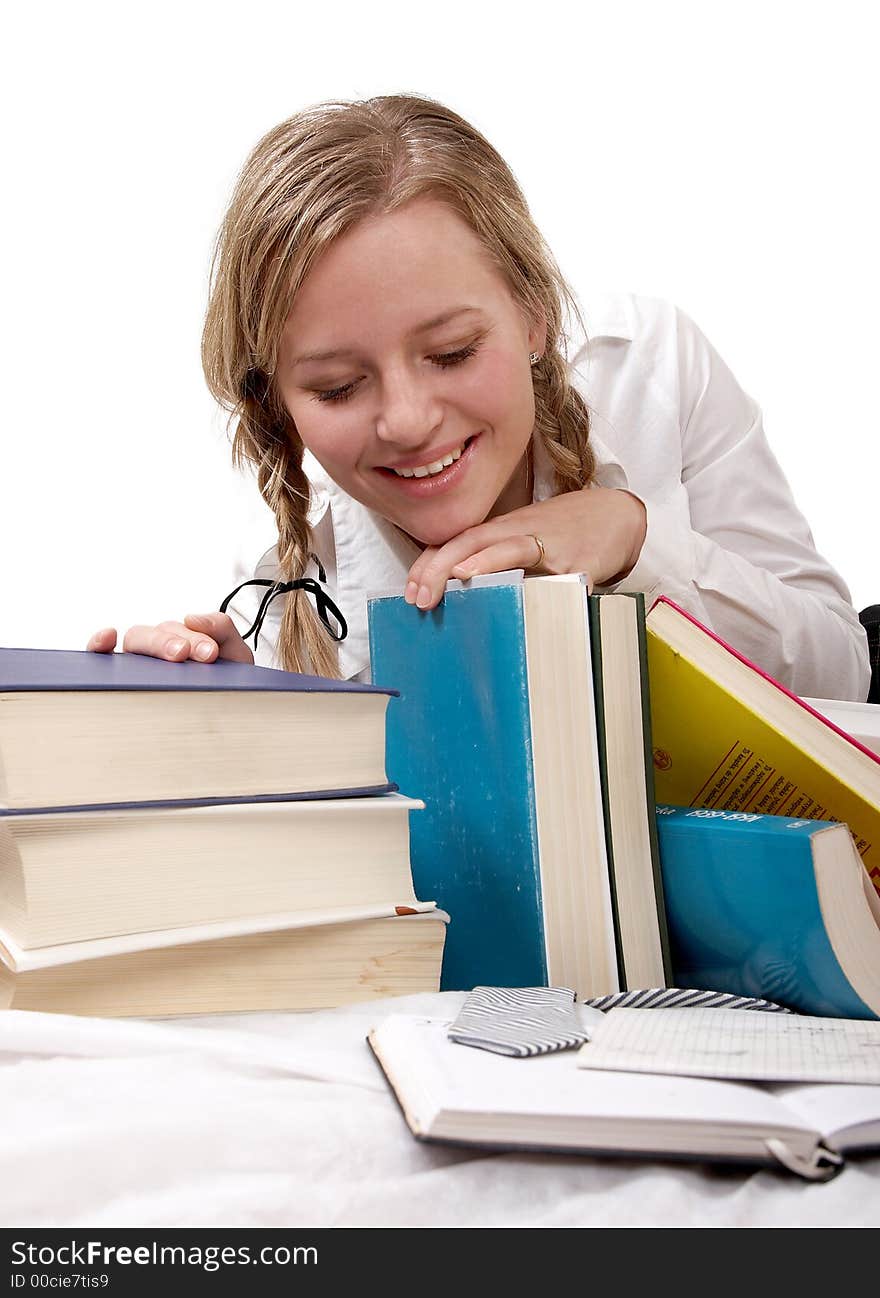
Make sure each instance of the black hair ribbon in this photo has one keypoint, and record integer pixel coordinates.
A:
(324, 605)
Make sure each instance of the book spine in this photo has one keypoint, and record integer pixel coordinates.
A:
(650, 791)
(599, 696)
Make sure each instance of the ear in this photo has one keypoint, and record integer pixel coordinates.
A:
(538, 334)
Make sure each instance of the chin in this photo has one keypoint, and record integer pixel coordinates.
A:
(437, 532)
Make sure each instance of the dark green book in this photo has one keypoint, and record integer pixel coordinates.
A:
(623, 723)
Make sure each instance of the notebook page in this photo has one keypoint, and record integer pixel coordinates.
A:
(735, 1044)
(848, 1117)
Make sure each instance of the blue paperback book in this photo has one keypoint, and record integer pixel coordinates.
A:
(495, 730)
(770, 906)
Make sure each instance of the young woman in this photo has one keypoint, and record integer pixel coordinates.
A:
(389, 333)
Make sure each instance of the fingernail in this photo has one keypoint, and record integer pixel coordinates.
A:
(175, 646)
(411, 592)
(203, 650)
(464, 571)
(424, 597)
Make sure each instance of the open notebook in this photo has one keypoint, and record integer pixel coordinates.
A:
(458, 1094)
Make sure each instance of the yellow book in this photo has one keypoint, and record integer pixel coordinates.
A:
(727, 735)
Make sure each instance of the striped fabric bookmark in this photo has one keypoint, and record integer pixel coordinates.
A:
(518, 1021)
(683, 998)
(523, 1021)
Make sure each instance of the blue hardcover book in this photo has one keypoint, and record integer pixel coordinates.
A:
(85, 730)
(769, 906)
(495, 730)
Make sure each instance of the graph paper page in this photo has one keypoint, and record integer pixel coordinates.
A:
(747, 1044)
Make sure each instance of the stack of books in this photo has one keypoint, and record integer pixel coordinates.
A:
(185, 839)
(558, 720)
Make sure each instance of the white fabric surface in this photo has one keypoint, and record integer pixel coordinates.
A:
(284, 1120)
(725, 537)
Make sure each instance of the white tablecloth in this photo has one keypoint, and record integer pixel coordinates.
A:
(284, 1120)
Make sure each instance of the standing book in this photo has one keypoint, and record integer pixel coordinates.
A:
(86, 729)
(728, 736)
(620, 678)
(496, 731)
(771, 907)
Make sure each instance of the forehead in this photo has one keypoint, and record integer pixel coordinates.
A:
(396, 270)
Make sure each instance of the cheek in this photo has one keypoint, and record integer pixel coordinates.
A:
(501, 394)
(333, 437)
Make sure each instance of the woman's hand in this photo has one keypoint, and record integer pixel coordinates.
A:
(598, 530)
(201, 636)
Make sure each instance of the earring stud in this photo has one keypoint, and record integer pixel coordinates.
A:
(534, 358)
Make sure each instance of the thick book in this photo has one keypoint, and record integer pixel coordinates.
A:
(496, 730)
(278, 962)
(771, 906)
(623, 718)
(727, 735)
(86, 729)
(78, 875)
(457, 1094)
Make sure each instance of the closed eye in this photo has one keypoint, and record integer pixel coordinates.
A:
(445, 360)
(338, 394)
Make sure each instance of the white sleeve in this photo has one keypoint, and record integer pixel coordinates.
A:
(746, 565)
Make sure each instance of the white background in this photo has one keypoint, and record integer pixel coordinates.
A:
(723, 155)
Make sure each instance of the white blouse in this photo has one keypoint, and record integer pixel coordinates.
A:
(725, 539)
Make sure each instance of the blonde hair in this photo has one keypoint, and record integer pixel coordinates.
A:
(308, 181)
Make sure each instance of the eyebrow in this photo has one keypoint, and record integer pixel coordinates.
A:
(425, 327)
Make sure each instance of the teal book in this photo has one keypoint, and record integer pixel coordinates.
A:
(770, 906)
(495, 731)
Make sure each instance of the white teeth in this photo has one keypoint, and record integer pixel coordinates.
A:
(428, 470)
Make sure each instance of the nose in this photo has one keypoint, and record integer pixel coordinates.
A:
(409, 412)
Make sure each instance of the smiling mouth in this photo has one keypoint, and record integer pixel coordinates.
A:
(433, 467)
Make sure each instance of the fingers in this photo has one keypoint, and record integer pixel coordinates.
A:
(516, 552)
(418, 586)
(103, 642)
(222, 631)
(169, 640)
(202, 637)
(459, 558)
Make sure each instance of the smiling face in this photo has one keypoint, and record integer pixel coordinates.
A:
(405, 366)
